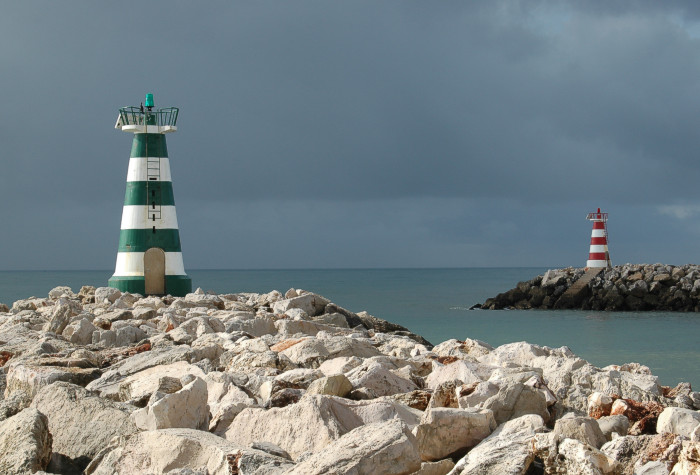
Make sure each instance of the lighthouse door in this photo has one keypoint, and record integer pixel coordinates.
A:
(154, 271)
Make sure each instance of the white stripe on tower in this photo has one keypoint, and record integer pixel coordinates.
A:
(138, 168)
(131, 263)
(134, 217)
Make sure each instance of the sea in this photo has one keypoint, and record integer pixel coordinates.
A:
(435, 303)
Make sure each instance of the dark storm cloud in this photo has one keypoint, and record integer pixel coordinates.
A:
(406, 133)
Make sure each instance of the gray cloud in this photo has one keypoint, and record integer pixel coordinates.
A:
(322, 134)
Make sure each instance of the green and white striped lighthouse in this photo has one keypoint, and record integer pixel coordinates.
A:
(149, 259)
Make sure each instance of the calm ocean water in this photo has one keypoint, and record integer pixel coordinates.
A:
(435, 302)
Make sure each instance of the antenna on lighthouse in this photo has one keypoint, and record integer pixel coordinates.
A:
(598, 255)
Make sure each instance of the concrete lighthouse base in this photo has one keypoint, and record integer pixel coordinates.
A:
(175, 285)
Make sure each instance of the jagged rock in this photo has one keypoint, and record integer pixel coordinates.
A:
(610, 425)
(226, 400)
(60, 291)
(628, 450)
(165, 450)
(313, 422)
(377, 379)
(599, 405)
(443, 467)
(386, 448)
(25, 443)
(688, 460)
(80, 331)
(141, 385)
(460, 370)
(643, 416)
(444, 431)
(419, 399)
(301, 327)
(204, 300)
(677, 420)
(80, 422)
(505, 451)
(312, 304)
(108, 384)
(652, 468)
(584, 429)
(446, 394)
(461, 349)
(30, 377)
(508, 396)
(335, 385)
(311, 352)
(12, 405)
(186, 408)
(628, 287)
(340, 365)
(60, 317)
(106, 293)
(573, 456)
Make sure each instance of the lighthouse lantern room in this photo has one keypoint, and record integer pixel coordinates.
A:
(598, 255)
(149, 258)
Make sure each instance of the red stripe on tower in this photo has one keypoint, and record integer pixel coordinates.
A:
(598, 254)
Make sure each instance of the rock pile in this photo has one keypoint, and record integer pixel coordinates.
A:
(629, 287)
(102, 382)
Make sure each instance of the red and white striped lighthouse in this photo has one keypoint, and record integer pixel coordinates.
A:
(599, 256)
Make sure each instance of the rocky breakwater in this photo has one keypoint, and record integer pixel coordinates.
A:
(635, 287)
(101, 382)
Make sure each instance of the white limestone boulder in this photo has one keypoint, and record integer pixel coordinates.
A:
(506, 451)
(288, 328)
(61, 291)
(185, 452)
(108, 294)
(313, 422)
(143, 384)
(80, 422)
(109, 383)
(444, 431)
(688, 460)
(25, 443)
(377, 379)
(28, 377)
(60, 317)
(80, 331)
(677, 420)
(186, 408)
(584, 429)
(462, 349)
(466, 372)
(335, 385)
(614, 426)
(509, 396)
(442, 467)
(339, 365)
(311, 352)
(573, 456)
(386, 448)
(310, 303)
(226, 400)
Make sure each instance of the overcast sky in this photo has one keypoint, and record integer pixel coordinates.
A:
(317, 134)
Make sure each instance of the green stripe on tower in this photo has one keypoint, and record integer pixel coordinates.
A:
(147, 192)
(140, 240)
(149, 145)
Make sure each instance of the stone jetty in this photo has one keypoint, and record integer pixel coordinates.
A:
(104, 382)
(635, 287)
